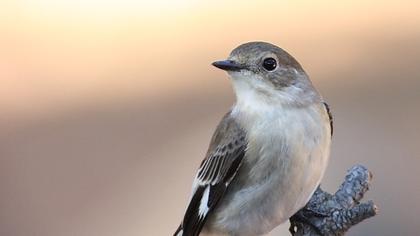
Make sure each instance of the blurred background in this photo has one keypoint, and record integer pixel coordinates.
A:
(107, 107)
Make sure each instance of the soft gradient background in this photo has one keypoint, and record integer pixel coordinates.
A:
(107, 106)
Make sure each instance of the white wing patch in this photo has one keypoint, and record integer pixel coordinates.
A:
(219, 167)
(204, 202)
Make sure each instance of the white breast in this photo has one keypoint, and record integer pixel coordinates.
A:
(286, 157)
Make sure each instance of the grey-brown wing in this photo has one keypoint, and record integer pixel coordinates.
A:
(327, 107)
(223, 159)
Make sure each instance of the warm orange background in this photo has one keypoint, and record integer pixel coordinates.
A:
(107, 106)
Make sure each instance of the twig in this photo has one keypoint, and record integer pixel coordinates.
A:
(327, 214)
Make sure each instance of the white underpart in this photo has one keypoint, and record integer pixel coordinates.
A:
(255, 92)
(202, 211)
(286, 157)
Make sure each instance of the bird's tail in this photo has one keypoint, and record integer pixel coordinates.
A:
(179, 231)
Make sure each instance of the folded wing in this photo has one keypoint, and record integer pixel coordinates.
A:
(223, 159)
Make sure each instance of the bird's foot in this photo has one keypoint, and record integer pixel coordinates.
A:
(327, 214)
(304, 217)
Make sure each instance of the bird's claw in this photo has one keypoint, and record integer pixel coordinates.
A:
(304, 216)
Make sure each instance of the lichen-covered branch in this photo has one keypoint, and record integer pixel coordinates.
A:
(327, 214)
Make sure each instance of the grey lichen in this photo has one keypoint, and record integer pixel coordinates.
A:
(327, 214)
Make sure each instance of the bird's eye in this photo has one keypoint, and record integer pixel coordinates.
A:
(269, 64)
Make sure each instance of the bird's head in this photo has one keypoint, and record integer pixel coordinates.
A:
(266, 70)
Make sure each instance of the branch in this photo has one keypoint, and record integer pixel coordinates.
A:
(327, 214)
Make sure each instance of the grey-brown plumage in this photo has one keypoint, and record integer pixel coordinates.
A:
(268, 154)
(223, 158)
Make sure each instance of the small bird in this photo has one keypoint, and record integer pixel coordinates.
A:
(268, 153)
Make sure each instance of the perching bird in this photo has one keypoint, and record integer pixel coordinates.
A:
(269, 152)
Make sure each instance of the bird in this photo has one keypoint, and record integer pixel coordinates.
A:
(269, 152)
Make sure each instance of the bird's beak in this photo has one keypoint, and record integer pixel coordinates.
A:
(228, 65)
